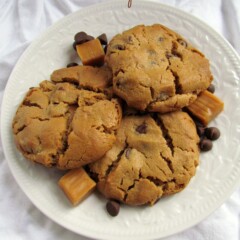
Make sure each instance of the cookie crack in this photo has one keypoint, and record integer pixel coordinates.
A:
(185, 150)
(20, 129)
(166, 134)
(129, 188)
(175, 52)
(40, 119)
(73, 81)
(158, 182)
(104, 129)
(168, 161)
(30, 104)
(115, 162)
(152, 91)
(138, 40)
(178, 87)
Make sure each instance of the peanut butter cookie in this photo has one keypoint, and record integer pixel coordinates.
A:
(62, 124)
(156, 69)
(152, 157)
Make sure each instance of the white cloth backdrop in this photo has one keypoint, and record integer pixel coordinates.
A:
(23, 20)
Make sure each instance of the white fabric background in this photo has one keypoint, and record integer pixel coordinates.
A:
(23, 20)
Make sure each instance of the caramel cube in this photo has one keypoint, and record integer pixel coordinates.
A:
(77, 185)
(206, 107)
(91, 52)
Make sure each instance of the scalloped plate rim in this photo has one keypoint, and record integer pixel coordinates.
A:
(10, 163)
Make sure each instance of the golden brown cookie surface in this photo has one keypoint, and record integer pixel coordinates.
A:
(60, 124)
(151, 157)
(155, 69)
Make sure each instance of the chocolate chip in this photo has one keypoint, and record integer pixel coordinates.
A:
(79, 35)
(72, 64)
(142, 128)
(212, 133)
(161, 39)
(82, 37)
(211, 88)
(182, 42)
(103, 39)
(119, 47)
(200, 131)
(127, 153)
(205, 145)
(113, 207)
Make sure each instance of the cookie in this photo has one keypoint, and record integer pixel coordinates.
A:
(153, 156)
(61, 124)
(98, 79)
(156, 69)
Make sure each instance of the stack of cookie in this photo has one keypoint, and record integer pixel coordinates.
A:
(125, 121)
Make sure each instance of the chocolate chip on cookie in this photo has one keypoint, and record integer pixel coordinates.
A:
(142, 129)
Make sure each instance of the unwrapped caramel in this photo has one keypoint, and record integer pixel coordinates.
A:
(77, 185)
(206, 107)
(91, 52)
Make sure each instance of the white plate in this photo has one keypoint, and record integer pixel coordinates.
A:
(219, 170)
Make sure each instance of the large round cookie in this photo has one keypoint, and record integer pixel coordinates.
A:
(152, 157)
(155, 69)
(61, 124)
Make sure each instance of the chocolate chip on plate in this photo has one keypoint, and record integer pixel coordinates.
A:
(200, 131)
(82, 37)
(142, 128)
(72, 64)
(79, 35)
(212, 133)
(205, 145)
(103, 39)
(113, 207)
(211, 88)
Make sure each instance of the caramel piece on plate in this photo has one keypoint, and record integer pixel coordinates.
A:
(77, 185)
(206, 107)
(91, 52)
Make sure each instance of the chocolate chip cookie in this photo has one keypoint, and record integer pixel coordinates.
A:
(153, 156)
(156, 69)
(62, 124)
